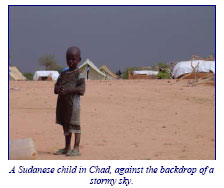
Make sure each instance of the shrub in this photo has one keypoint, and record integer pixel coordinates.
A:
(162, 65)
(125, 73)
(28, 75)
(163, 74)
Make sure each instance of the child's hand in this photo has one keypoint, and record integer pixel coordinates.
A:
(61, 90)
(56, 89)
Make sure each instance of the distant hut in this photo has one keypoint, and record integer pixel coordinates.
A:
(45, 75)
(15, 74)
(184, 69)
(142, 74)
(109, 75)
(91, 71)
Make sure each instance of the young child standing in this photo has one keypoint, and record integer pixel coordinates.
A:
(69, 86)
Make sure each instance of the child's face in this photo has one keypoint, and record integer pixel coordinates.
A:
(73, 59)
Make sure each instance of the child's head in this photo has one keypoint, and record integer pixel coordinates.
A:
(73, 57)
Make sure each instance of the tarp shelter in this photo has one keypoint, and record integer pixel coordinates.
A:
(15, 74)
(142, 74)
(94, 72)
(109, 75)
(45, 75)
(146, 72)
(185, 67)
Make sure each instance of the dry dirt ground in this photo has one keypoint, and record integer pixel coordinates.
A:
(120, 120)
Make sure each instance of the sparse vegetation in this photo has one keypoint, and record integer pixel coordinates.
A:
(50, 63)
(163, 74)
(28, 75)
(125, 73)
(162, 65)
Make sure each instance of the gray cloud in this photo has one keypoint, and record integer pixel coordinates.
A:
(118, 36)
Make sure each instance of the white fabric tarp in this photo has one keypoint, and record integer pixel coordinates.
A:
(147, 72)
(53, 74)
(184, 67)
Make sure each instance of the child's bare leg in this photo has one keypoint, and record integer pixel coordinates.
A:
(68, 142)
(75, 151)
(68, 137)
(67, 146)
(77, 141)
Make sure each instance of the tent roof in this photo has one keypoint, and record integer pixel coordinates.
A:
(15, 74)
(90, 63)
(184, 67)
(107, 70)
(53, 74)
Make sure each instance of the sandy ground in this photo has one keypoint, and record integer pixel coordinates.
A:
(121, 119)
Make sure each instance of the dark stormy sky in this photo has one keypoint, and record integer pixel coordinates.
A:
(118, 36)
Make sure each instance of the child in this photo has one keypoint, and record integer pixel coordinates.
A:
(69, 86)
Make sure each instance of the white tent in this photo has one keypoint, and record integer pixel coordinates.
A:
(15, 74)
(45, 74)
(184, 67)
(109, 75)
(94, 72)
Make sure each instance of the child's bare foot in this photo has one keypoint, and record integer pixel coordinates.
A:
(62, 151)
(74, 152)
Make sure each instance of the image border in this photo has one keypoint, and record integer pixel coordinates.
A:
(114, 6)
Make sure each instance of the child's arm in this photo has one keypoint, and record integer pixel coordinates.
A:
(81, 87)
(77, 90)
(57, 87)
